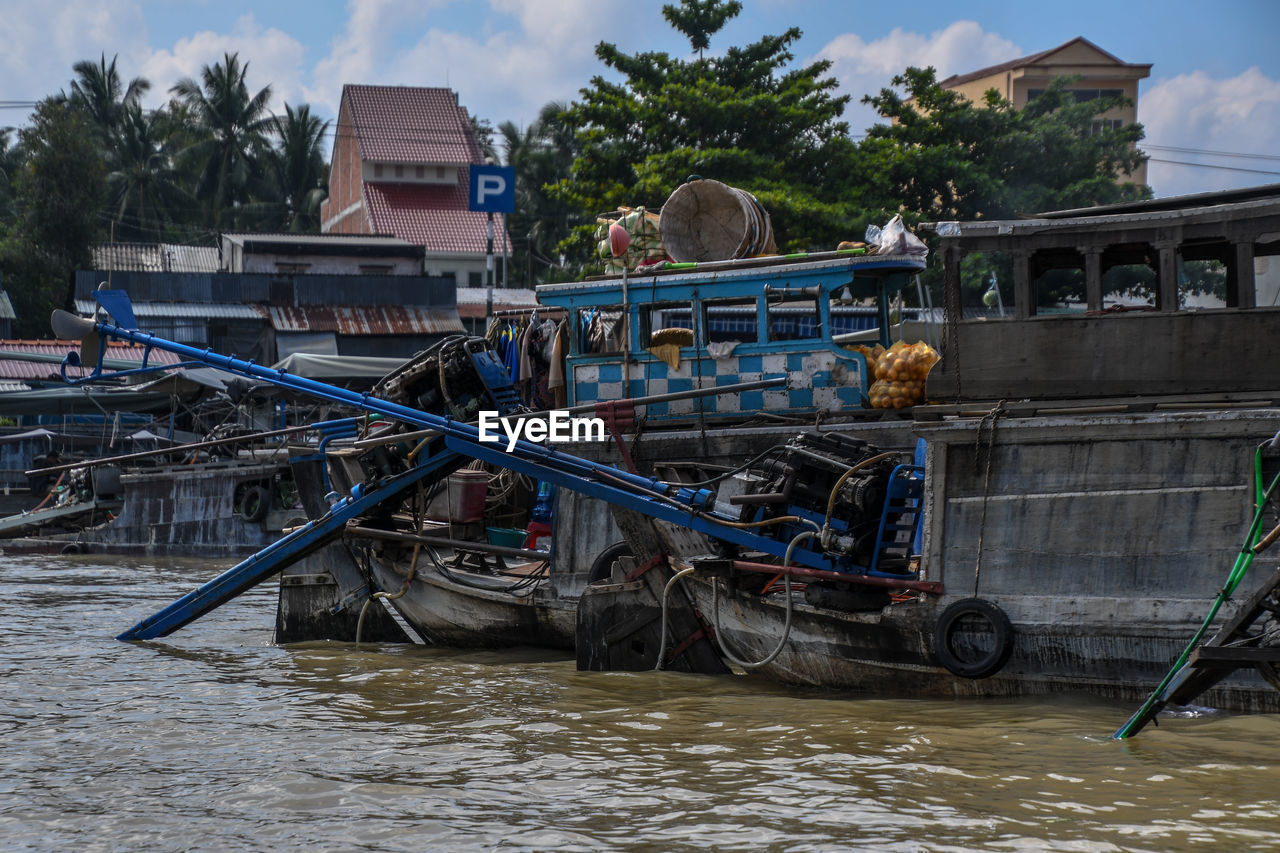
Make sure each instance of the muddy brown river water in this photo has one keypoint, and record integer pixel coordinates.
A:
(215, 739)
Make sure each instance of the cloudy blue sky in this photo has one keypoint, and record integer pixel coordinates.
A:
(1213, 97)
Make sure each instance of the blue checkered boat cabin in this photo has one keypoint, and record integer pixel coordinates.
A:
(731, 322)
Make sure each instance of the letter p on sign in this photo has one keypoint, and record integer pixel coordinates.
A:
(492, 189)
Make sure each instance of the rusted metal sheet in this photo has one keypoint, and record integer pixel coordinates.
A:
(42, 360)
(365, 319)
(156, 257)
(201, 310)
(473, 301)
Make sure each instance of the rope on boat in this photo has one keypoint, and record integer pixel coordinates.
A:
(991, 417)
(421, 511)
(786, 628)
(666, 592)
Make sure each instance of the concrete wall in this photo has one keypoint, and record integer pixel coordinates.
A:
(1093, 518)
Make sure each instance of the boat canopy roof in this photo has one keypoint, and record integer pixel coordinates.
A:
(865, 275)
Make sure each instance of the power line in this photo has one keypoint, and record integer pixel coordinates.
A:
(1211, 153)
(1211, 166)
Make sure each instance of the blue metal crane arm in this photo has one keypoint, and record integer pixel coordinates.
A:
(447, 426)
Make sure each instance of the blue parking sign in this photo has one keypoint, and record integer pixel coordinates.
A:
(492, 189)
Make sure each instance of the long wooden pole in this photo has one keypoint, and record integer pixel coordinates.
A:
(181, 448)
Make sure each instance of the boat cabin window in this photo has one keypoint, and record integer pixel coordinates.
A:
(731, 321)
(794, 320)
(600, 330)
(670, 323)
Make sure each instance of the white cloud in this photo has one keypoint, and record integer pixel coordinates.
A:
(864, 68)
(361, 53)
(523, 53)
(42, 41)
(274, 58)
(1239, 115)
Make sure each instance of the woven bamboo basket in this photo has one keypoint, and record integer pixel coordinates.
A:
(705, 220)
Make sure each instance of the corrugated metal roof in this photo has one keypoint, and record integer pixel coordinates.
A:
(6, 307)
(210, 310)
(41, 360)
(388, 244)
(410, 124)
(156, 257)
(434, 216)
(365, 319)
(242, 237)
(472, 301)
(115, 349)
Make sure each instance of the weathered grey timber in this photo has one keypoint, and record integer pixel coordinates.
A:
(181, 511)
(458, 611)
(1164, 351)
(1104, 539)
(1094, 513)
(1227, 351)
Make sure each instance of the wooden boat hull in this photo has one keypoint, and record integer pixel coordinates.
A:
(1102, 539)
(464, 615)
(893, 652)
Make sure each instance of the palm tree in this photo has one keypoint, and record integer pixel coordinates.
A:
(542, 156)
(11, 159)
(99, 90)
(231, 136)
(144, 188)
(299, 174)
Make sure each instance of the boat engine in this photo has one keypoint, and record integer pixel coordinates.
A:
(835, 481)
(457, 377)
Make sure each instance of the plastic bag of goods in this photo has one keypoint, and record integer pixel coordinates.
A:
(900, 374)
(646, 240)
(871, 354)
(895, 239)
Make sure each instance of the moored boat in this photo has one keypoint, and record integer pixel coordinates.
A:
(1086, 492)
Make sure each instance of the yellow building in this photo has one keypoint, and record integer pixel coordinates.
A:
(1101, 76)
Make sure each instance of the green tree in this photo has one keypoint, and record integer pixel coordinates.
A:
(299, 176)
(699, 20)
(61, 188)
(101, 91)
(744, 118)
(945, 157)
(230, 127)
(11, 158)
(542, 156)
(146, 197)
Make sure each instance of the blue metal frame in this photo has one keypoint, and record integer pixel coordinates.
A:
(650, 496)
(262, 565)
(904, 495)
(635, 371)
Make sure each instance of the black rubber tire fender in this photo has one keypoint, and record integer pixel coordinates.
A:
(255, 503)
(1001, 629)
(602, 566)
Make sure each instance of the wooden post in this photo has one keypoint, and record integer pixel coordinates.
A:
(1167, 276)
(952, 314)
(1241, 288)
(1092, 277)
(1024, 289)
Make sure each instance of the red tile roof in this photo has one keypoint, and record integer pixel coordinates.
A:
(410, 124)
(431, 215)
